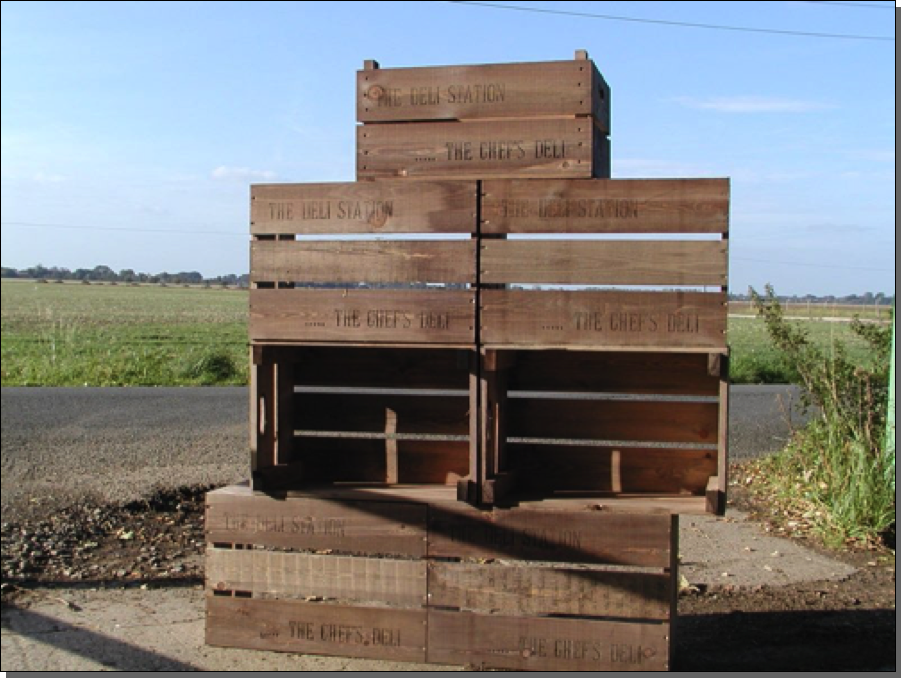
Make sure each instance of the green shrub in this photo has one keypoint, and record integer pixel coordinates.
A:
(213, 367)
(833, 472)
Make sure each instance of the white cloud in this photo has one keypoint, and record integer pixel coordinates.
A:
(242, 173)
(750, 104)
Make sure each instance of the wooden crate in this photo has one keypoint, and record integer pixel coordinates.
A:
(341, 263)
(603, 332)
(546, 119)
(460, 93)
(417, 577)
(337, 414)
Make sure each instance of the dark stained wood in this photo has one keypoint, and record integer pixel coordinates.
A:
(536, 644)
(612, 372)
(723, 442)
(609, 319)
(371, 367)
(373, 413)
(349, 579)
(539, 148)
(235, 515)
(553, 536)
(385, 207)
(609, 262)
(518, 90)
(527, 590)
(664, 421)
(262, 414)
(367, 315)
(349, 460)
(573, 468)
(605, 206)
(316, 628)
(353, 262)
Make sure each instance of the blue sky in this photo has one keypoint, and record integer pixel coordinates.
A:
(132, 130)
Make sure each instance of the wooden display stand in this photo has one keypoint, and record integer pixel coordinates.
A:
(486, 380)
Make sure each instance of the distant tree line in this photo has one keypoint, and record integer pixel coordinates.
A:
(126, 275)
(865, 299)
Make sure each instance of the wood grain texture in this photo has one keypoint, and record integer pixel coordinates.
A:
(348, 460)
(237, 516)
(615, 470)
(349, 579)
(605, 206)
(536, 644)
(407, 414)
(612, 262)
(610, 319)
(353, 262)
(665, 421)
(372, 367)
(527, 590)
(316, 628)
(548, 535)
(363, 315)
(384, 207)
(612, 372)
(518, 90)
(539, 148)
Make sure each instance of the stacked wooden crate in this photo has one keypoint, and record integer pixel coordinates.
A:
(362, 326)
(603, 340)
(549, 119)
(479, 399)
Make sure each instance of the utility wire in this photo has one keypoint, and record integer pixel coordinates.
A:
(30, 224)
(683, 24)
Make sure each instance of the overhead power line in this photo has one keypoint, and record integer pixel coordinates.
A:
(682, 24)
(31, 224)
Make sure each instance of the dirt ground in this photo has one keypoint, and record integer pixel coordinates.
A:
(753, 601)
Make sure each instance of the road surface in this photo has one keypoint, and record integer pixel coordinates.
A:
(118, 444)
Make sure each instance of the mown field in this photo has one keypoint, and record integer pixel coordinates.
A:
(103, 335)
(116, 335)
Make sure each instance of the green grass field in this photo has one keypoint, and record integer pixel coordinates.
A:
(104, 335)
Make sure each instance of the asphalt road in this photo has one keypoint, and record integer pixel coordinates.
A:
(65, 444)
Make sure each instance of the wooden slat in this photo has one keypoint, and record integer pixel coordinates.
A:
(316, 628)
(665, 421)
(723, 442)
(554, 536)
(235, 515)
(371, 413)
(519, 90)
(606, 206)
(263, 412)
(382, 367)
(611, 372)
(609, 319)
(275, 574)
(527, 590)
(572, 468)
(347, 460)
(368, 315)
(611, 262)
(353, 262)
(475, 150)
(385, 207)
(536, 644)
